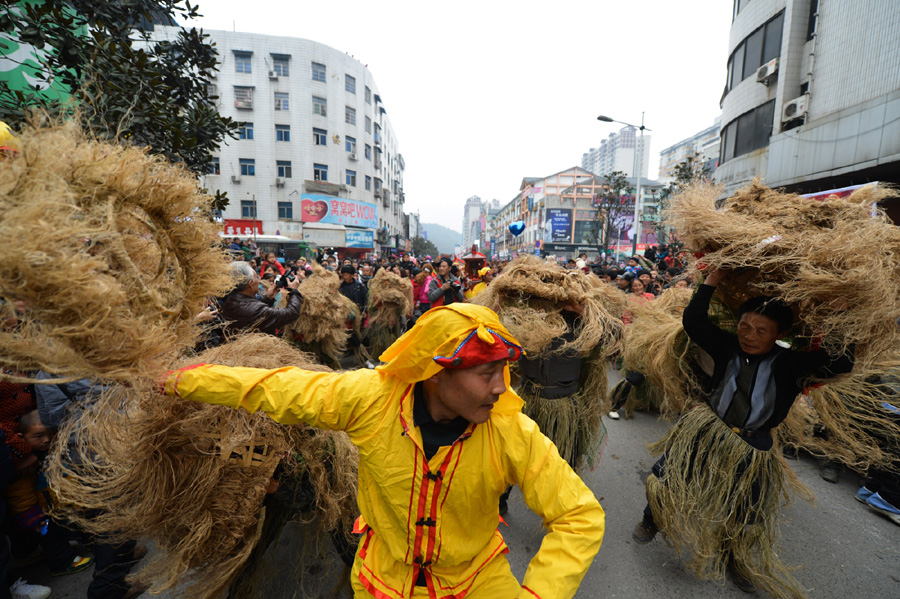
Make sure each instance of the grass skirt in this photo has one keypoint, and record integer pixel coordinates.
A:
(718, 498)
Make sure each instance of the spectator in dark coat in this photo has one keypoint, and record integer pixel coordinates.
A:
(243, 311)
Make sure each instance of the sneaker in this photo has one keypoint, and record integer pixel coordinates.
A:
(22, 590)
(614, 415)
(877, 503)
(739, 580)
(78, 564)
(644, 532)
(830, 472)
(863, 494)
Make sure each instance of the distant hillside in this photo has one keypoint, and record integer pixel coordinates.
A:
(445, 239)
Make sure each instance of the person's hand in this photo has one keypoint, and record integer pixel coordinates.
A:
(272, 291)
(301, 274)
(27, 465)
(293, 285)
(206, 315)
(713, 276)
(573, 307)
(446, 286)
(272, 486)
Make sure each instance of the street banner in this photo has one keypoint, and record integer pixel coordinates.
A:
(359, 239)
(242, 227)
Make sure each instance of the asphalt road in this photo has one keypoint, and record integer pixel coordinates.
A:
(840, 547)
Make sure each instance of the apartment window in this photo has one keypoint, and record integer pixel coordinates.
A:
(813, 19)
(214, 168)
(320, 106)
(368, 152)
(320, 172)
(248, 209)
(282, 133)
(350, 84)
(368, 125)
(242, 62)
(284, 168)
(351, 178)
(349, 115)
(748, 132)
(368, 95)
(350, 143)
(319, 137)
(243, 97)
(318, 71)
(282, 101)
(281, 64)
(285, 211)
(248, 167)
(739, 5)
(757, 49)
(246, 131)
(368, 183)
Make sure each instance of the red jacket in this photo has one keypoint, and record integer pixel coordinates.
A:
(275, 266)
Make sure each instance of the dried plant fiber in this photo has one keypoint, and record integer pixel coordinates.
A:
(390, 301)
(704, 503)
(109, 252)
(192, 477)
(529, 296)
(322, 326)
(835, 262)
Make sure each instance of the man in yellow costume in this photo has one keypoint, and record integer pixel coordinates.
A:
(440, 437)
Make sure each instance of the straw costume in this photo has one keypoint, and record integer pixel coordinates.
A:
(716, 491)
(389, 305)
(429, 522)
(563, 375)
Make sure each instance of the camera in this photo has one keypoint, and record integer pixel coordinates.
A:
(284, 280)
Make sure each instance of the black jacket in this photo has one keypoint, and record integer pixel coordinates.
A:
(242, 312)
(791, 370)
(356, 292)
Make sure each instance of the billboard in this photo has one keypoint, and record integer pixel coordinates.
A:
(316, 208)
(560, 220)
(242, 227)
(360, 239)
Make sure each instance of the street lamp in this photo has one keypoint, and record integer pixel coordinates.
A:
(637, 174)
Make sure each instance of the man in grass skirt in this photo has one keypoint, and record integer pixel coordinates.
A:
(716, 489)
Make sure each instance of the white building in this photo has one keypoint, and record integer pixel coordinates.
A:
(704, 144)
(812, 96)
(471, 226)
(317, 158)
(617, 153)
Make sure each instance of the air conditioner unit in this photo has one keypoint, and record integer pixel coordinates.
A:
(273, 75)
(767, 72)
(794, 109)
(235, 178)
(243, 104)
(353, 156)
(279, 182)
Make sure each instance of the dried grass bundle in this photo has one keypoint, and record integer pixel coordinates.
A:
(657, 346)
(390, 301)
(529, 296)
(191, 477)
(702, 503)
(322, 325)
(834, 261)
(110, 251)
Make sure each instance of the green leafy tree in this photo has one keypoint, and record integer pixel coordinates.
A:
(124, 86)
(613, 208)
(423, 247)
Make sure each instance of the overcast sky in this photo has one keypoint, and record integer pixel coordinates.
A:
(482, 94)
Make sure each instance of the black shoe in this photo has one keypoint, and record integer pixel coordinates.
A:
(831, 472)
(644, 532)
(504, 506)
(739, 580)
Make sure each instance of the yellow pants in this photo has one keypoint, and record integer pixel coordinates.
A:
(496, 581)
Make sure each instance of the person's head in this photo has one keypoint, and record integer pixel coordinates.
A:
(570, 263)
(270, 258)
(610, 275)
(644, 276)
(681, 284)
(653, 274)
(486, 274)
(395, 268)
(762, 321)
(253, 263)
(246, 280)
(624, 281)
(583, 256)
(632, 262)
(443, 266)
(346, 262)
(348, 273)
(404, 274)
(33, 431)
(637, 287)
(366, 270)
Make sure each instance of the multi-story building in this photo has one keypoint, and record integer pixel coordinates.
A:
(704, 145)
(812, 94)
(617, 153)
(317, 157)
(471, 225)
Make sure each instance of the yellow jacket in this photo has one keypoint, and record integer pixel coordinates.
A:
(439, 514)
(476, 290)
